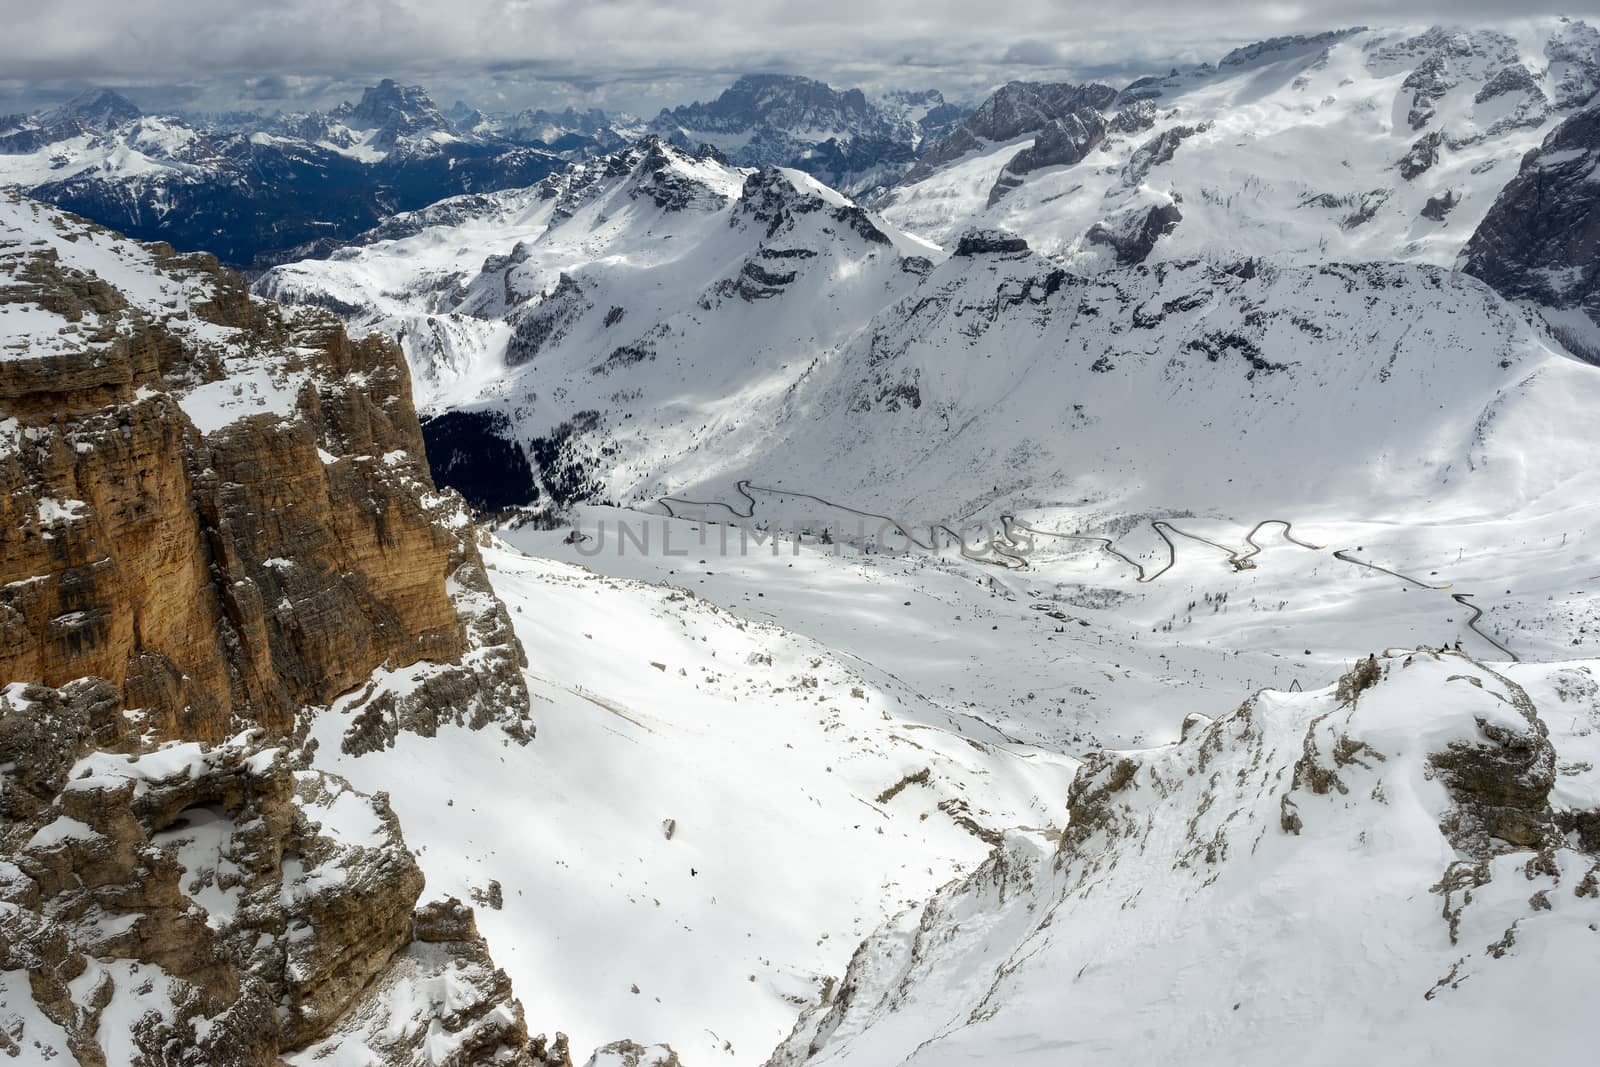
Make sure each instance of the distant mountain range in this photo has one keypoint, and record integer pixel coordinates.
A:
(282, 190)
(261, 189)
(656, 256)
(852, 143)
(1086, 171)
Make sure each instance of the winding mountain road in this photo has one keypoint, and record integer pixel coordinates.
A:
(1344, 554)
(994, 555)
(1239, 560)
(1472, 624)
(999, 551)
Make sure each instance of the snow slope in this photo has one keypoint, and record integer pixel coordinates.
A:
(1309, 878)
(709, 820)
(673, 350)
(771, 789)
(1404, 411)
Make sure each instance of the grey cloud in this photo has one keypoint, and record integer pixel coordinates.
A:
(1034, 54)
(533, 50)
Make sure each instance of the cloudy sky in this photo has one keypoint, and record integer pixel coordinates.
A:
(632, 54)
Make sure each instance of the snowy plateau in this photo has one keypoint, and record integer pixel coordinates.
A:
(1125, 589)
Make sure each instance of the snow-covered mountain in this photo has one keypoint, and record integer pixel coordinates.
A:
(1362, 144)
(842, 137)
(298, 182)
(656, 323)
(641, 253)
(1181, 472)
(389, 117)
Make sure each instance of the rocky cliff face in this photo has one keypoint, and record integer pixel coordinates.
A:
(216, 519)
(219, 507)
(1016, 109)
(214, 905)
(1063, 143)
(1540, 241)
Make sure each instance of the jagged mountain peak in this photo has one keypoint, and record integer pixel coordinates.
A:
(776, 197)
(399, 110)
(788, 100)
(841, 136)
(1274, 49)
(98, 108)
(673, 176)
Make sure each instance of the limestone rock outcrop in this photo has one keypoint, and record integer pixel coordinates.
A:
(216, 523)
(220, 506)
(191, 904)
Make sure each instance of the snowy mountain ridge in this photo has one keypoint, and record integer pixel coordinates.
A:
(1207, 451)
(892, 573)
(688, 311)
(1428, 126)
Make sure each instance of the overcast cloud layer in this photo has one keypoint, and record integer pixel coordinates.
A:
(633, 53)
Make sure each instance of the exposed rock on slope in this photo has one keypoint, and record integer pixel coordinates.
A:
(678, 366)
(1133, 233)
(215, 906)
(1064, 142)
(1016, 109)
(1540, 241)
(1364, 869)
(473, 1018)
(220, 507)
(702, 243)
(633, 1054)
(1454, 108)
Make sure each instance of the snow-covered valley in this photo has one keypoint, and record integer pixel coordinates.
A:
(867, 539)
(997, 684)
(1128, 590)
